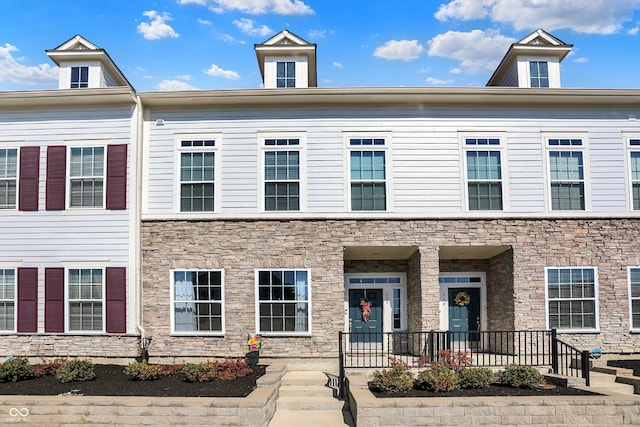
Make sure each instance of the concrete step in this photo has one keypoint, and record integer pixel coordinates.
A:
(607, 383)
(310, 378)
(308, 403)
(305, 391)
(313, 418)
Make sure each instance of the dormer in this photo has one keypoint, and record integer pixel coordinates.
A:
(534, 61)
(85, 65)
(287, 61)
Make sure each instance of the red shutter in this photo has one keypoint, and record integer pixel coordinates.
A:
(29, 178)
(116, 300)
(27, 300)
(54, 300)
(117, 176)
(56, 177)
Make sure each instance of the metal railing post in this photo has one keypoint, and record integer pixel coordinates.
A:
(340, 366)
(585, 367)
(554, 351)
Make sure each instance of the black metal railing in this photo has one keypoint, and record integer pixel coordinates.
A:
(377, 350)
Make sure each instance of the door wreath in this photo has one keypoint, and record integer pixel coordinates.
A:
(365, 309)
(462, 299)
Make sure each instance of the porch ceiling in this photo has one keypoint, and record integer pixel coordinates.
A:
(471, 252)
(378, 252)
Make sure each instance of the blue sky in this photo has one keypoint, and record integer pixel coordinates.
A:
(208, 44)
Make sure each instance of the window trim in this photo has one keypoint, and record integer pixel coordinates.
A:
(302, 184)
(16, 179)
(215, 149)
(538, 78)
(14, 301)
(632, 327)
(67, 300)
(80, 84)
(386, 148)
(309, 302)
(584, 149)
(86, 144)
(596, 299)
(501, 148)
(172, 302)
(628, 168)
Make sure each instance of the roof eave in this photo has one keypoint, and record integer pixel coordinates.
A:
(67, 97)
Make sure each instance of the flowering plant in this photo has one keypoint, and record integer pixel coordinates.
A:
(365, 309)
(254, 341)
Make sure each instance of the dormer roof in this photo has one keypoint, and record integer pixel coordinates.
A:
(287, 44)
(79, 49)
(537, 44)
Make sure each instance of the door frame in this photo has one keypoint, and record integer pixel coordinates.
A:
(474, 280)
(387, 297)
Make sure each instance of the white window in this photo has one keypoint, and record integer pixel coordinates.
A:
(368, 174)
(634, 164)
(634, 298)
(539, 73)
(484, 173)
(8, 177)
(86, 177)
(281, 174)
(197, 301)
(7, 299)
(85, 299)
(197, 175)
(572, 298)
(284, 301)
(566, 173)
(79, 77)
(285, 74)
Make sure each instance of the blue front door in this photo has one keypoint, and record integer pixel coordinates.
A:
(464, 313)
(361, 327)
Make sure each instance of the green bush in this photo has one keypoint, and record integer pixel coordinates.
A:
(397, 379)
(439, 379)
(15, 369)
(48, 368)
(475, 377)
(199, 372)
(76, 370)
(142, 371)
(520, 376)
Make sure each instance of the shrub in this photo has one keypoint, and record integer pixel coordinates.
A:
(397, 379)
(48, 368)
(439, 379)
(15, 369)
(76, 370)
(225, 369)
(454, 360)
(520, 376)
(199, 372)
(475, 377)
(142, 371)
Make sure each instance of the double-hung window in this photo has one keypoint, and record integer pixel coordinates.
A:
(484, 173)
(198, 299)
(7, 299)
(566, 173)
(284, 301)
(539, 73)
(197, 175)
(572, 298)
(86, 177)
(368, 173)
(286, 74)
(79, 77)
(282, 174)
(85, 296)
(634, 163)
(634, 297)
(8, 177)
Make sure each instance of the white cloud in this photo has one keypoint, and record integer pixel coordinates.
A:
(255, 7)
(247, 26)
(581, 60)
(170, 85)
(405, 50)
(319, 34)
(13, 71)
(337, 64)
(593, 16)
(633, 31)
(203, 21)
(216, 71)
(435, 81)
(158, 27)
(478, 51)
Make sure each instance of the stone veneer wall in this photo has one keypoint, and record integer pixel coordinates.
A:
(240, 247)
(67, 345)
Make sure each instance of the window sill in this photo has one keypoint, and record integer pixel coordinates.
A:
(578, 331)
(286, 334)
(198, 334)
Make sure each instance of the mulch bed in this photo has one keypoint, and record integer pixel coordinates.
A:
(493, 390)
(111, 381)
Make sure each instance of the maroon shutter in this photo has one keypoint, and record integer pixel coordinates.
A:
(116, 300)
(54, 300)
(29, 178)
(117, 176)
(56, 177)
(27, 300)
